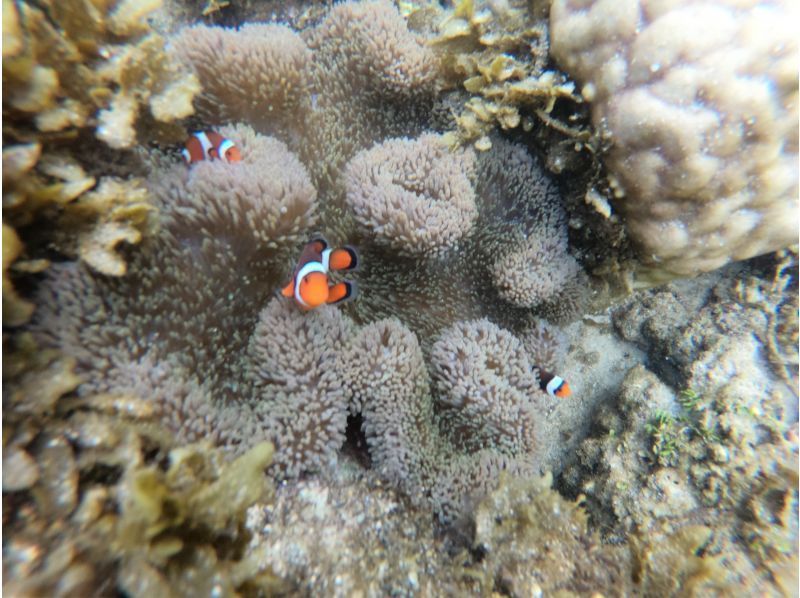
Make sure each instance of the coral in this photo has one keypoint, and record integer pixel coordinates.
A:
(414, 196)
(535, 542)
(192, 328)
(703, 124)
(76, 60)
(722, 451)
(498, 53)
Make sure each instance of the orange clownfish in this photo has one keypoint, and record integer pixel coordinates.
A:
(554, 385)
(212, 146)
(310, 285)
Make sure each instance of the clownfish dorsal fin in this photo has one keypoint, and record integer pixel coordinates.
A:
(319, 241)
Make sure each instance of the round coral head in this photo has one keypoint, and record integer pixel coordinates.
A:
(314, 289)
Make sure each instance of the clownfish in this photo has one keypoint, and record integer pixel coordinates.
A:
(554, 385)
(310, 285)
(212, 146)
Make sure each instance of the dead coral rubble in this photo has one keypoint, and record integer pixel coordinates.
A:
(724, 449)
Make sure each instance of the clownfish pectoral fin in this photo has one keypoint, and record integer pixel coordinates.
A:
(343, 291)
(343, 258)
(288, 290)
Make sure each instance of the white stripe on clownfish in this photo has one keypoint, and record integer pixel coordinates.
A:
(224, 147)
(553, 384)
(205, 142)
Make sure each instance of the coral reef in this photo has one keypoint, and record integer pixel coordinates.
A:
(351, 534)
(703, 125)
(142, 410)
(724, 450)
(536, 543)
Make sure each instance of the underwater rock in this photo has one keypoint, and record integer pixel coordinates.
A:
(714, 450)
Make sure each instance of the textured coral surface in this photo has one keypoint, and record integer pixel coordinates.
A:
(700, 102)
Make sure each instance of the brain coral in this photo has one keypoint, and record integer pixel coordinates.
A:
(194, 327)
(700, 100)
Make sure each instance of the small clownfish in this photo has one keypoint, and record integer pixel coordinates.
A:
(310, 285)
(212, 146)
(554, 385)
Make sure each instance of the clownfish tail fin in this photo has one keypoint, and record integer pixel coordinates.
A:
(343, 292)
(343, 258)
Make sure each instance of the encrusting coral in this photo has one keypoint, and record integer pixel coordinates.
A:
(703, 124)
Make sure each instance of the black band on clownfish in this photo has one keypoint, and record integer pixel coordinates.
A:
(310, 285)
(554, 385)
(207, 145)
